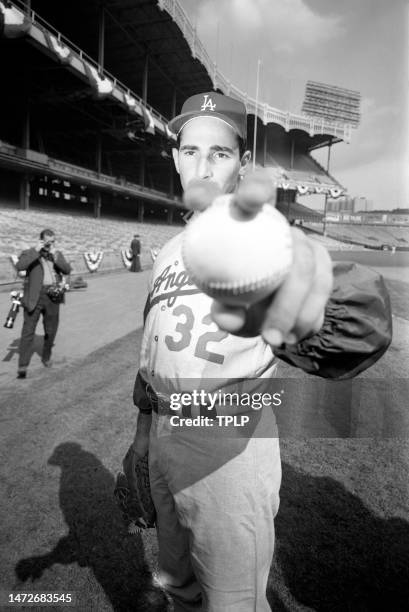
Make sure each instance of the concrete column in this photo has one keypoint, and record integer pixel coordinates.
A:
(98, 153)
(141, 211)
(142, 166)
(25, 135)
(292, 154)
(24, 192)
(324, 226)
(265, 147)
(101, 36)
(97, 205)
(173, 109)
(145, 76)
(288, 195)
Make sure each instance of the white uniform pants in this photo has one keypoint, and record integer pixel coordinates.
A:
(216, 499)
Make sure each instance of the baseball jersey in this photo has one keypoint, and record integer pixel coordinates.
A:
(182, 346)
(183, 349)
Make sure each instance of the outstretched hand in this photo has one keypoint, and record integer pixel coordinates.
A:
(296, 308)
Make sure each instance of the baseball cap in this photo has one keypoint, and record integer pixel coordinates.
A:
(212, 104)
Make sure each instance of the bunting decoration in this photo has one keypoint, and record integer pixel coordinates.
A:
(130, 102)
(102, 85)
(14, 260)
(126, 258)
(302, 189)
(148, 119)
(63, 52)
(305, 189)
(13, 23)
(93, 259)
(169, 134)
(335, 193)
(154, 253)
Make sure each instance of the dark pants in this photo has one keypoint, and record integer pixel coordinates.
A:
(136, 264)
(50, 312)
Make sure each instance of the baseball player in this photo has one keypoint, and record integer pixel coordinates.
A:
(216, 487)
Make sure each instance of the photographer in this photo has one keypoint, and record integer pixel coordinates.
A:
(43, 293)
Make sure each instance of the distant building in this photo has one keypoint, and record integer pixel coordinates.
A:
(362, 204)
(343, 204)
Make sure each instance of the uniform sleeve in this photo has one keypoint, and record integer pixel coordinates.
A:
(144, 396)
(357, 328)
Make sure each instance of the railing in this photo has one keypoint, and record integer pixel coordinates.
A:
(264, 111)
(43, 25)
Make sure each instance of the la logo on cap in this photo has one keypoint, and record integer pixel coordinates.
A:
(207, 104)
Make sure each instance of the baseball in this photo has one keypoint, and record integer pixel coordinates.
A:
(238, 254)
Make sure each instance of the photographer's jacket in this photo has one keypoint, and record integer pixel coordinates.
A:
(30, 261)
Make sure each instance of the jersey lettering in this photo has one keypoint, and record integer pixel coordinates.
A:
(214, 336)
(185, 327)
(169, 284)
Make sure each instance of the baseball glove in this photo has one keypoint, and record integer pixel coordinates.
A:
(133, 494)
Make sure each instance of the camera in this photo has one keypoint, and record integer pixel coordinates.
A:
(45, 251)
(16, 297)
(56, 292)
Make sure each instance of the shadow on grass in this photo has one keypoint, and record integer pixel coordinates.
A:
(97, 538)
(333, 553)
(14, 346)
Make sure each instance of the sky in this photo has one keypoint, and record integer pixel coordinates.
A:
(361, 45)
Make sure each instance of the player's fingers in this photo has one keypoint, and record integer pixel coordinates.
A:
(255, 189)
(311, 316)
(282, 314)
(199, 194)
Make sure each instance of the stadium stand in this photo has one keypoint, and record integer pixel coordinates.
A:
(370, 235)
(303, 167)
(332, 244)
(20, 229)
(93, 126)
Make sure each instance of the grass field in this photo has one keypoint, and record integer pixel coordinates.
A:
(342, 529)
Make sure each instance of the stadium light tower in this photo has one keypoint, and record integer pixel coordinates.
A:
(332, 103)
(335, 104)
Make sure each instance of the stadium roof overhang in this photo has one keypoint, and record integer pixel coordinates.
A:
(153, 48)
(115, 71)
